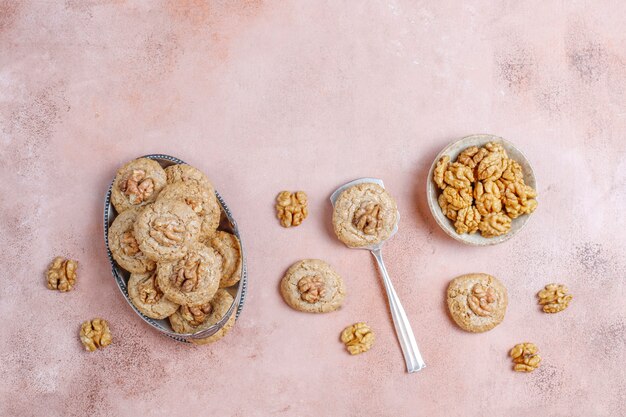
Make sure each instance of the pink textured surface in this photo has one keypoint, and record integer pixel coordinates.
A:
(308, 95)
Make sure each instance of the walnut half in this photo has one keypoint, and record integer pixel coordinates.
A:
(482, 300)
(554, 298)
(358, 338)
(136, 186)
(368, 218)
(187, 272)
(291, 208)
(61, 274)
(312, 288)
(525, 357)
(167, 230)
(95, 334)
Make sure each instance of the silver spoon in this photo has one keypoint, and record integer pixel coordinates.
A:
(412, 356)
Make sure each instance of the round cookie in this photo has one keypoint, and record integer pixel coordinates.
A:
(137, 183)
(200, 200)
(188, 175)
(146, 295)
(192, 280)
(312, 286)
(193, 320)
(365, 214)
(124, 246)
(228, 250)
(166, 229)
(477, 302)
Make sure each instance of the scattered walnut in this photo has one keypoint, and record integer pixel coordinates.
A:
(525, 357)
(61, 274)
(167, 230)
(358, 338)
(459, 176)
(312, 288)
(149, 291)
(136, 186)
(554, 298)
(467, 220)
(291, 208)
(494, 224)
(446, 208)
(95, 334)
(129, 243)
(368, 218)
(196, 315)
(494, 147)
(188, 271)
(440, 169)
(481, 300)
(519, 199)
(458, 199)
(487, 197)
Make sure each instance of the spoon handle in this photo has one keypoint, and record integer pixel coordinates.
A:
(412, 356)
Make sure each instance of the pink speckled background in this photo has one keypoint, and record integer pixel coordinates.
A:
(308, 95)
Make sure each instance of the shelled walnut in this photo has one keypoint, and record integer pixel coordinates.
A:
(554, 298)
(525, 357)
(137, 187)
(61, 274)
(167, 230)
(358, 338)
(311, 288)
(368, 218)
(95, 334)
(291, 208)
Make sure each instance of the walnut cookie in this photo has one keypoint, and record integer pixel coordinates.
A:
(192, 280)
(365, 214)
(312, 286)
(477, 302)
(228, 251)
(136, 184)
(144, 292)
(195, 319)
(166, 229)
(201, 200)
(124, 246)
(189, 175)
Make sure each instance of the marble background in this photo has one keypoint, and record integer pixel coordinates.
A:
(266, 96)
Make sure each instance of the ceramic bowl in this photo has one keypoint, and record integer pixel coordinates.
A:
(432, 191)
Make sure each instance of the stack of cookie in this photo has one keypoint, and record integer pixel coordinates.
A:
(166, 235)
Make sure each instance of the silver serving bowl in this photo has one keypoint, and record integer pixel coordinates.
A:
(227, 223)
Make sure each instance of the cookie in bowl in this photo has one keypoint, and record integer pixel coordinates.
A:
(166, 229)
(188, 175)
(137, 183)
(191, 280)
(124, 246)
(312, 286)
(200, 199)
(195, 319)
(146, 295)
(477, 302)
(364, 215)
(228, 251)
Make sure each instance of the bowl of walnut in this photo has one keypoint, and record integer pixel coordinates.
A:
(175, 249)
(481, 190)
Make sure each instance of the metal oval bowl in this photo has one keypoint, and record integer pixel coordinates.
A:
(432, 191)
(121, 276)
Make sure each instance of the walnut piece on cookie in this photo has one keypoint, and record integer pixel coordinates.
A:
(95, 334)
(312, 286)
(554, 298)
(137, 183)
(358, 338)
(61, 274)
(525, 357)
(291, 208)
(477, 302)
